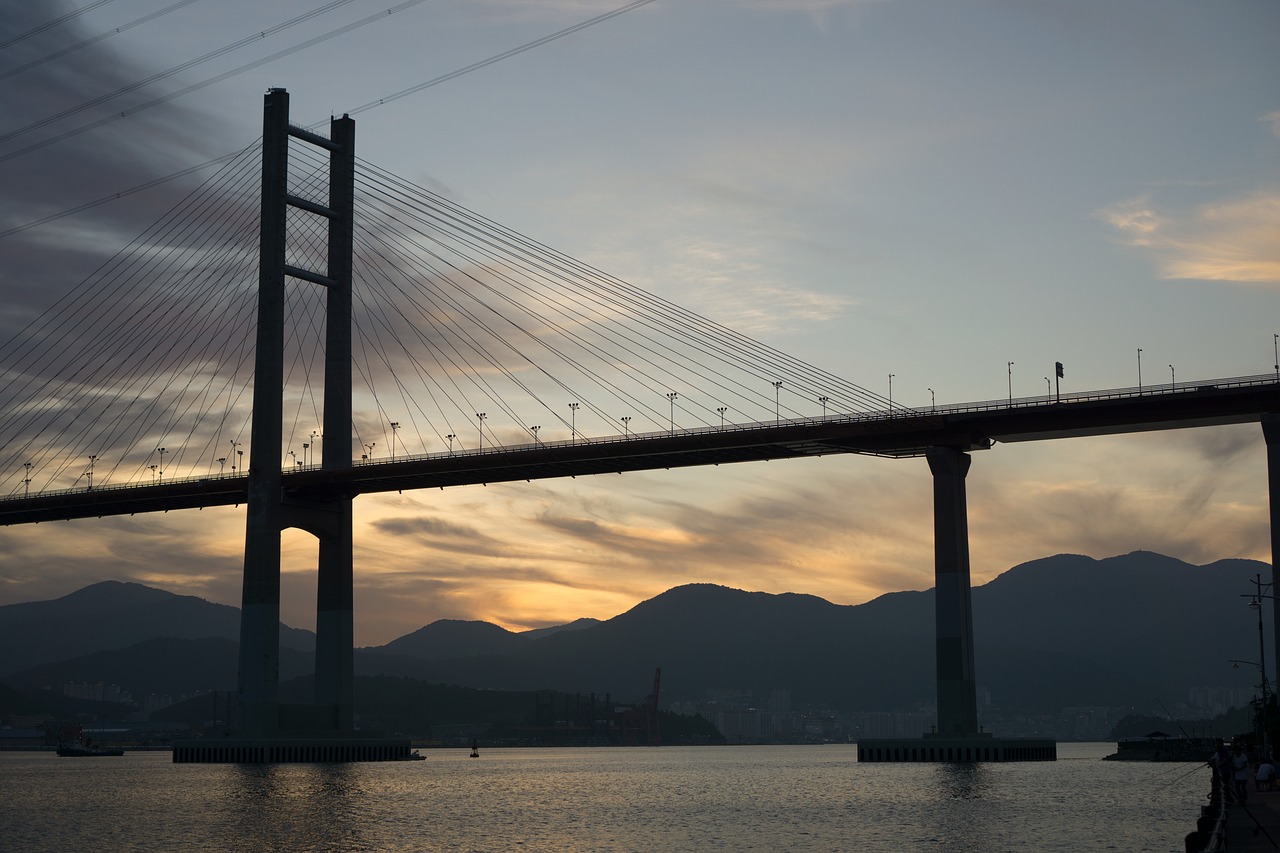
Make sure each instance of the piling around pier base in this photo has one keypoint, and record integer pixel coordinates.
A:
(956, 749)
(290, 750)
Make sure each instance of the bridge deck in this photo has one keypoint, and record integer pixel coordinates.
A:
(903, 432)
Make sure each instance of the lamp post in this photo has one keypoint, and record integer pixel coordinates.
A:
(824, 401)
(533, 429)
(222, 464)
(573, 422)
(722, 410)
(305, 448)
(480, 416)
(235, 449)
(626, 426)
(1009, 367)
(777, 401)
(672, 396)
(891, 394)
(26, 481)
(395, 428)
(369, 447)
(1173, 378)
(314, 435)
(1139, 370)
(162, 452)
(933, 400)
(1275, 346)
(450, 437)
(1255, 603)
(92, 460)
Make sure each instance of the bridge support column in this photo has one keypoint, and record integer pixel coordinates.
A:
(260, 601)
(953, 610)
(1271, 431)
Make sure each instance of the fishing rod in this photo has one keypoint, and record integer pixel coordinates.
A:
(1258, 827)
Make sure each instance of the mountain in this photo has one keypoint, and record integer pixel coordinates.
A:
(1066, 630)
(454, 638)
(162, 665)
(114, 615)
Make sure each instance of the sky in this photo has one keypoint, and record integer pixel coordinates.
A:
(923, 189)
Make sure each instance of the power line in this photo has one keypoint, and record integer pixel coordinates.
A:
(484, 63)
(51, 24)
(190, 63)
(102, 36)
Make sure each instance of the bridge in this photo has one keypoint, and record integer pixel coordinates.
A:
(507, 326)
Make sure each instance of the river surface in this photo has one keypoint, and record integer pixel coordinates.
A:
(767, 798)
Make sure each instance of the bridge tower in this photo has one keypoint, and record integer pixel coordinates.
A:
(269, 509)
(266, 729)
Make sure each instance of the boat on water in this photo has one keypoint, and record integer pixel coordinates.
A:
(86, 749)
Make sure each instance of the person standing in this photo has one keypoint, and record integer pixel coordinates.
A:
(1240, 772)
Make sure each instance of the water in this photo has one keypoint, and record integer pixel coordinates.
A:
(767, 798)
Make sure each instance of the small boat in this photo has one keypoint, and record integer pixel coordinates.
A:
(413, 756)
(85, 749)
(475, 748)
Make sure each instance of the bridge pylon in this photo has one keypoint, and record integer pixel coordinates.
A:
(267, 729)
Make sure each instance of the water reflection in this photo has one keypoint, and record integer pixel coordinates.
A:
(297, 806)
(977, 825)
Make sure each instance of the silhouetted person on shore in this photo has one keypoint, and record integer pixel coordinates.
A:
(1240, 772)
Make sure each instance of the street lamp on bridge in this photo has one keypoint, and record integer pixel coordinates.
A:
(672, 396)
(162, 451)
(1139, 370)
(89, 473)
(370, 446)
(1009, 367)
(26, 481)
(824, 401)
(235, 451)
(777, 401)
(626, 426)
(222, 464)
(395, 428)
(573, 422)
(480, 416)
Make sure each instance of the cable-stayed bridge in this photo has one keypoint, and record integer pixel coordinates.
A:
(305, 328)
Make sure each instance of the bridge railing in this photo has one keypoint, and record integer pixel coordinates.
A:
(1005, 404)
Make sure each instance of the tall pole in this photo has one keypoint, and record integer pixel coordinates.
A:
(260, 599)
(1262, 659)
(1139, 370)
(335, 583)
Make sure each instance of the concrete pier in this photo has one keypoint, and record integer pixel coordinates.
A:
(953, 608)
(948, 750)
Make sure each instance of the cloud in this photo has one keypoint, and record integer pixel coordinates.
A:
(1234, 240)
(1273, 119)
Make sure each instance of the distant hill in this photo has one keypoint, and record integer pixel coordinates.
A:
(114, 615)
(1066, 630)
(163, 665)
(454, 638)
